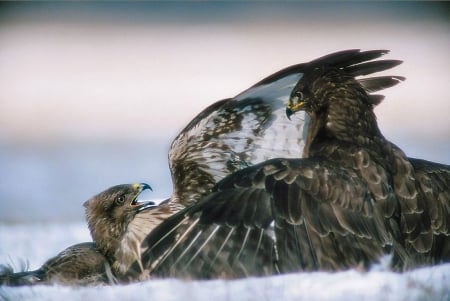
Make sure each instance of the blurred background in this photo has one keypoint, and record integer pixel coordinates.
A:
(92, 94)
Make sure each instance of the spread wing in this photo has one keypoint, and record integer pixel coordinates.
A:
(322, 217)
(235, 133)
(252, 127)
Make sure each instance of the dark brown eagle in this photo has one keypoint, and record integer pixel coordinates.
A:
(351, 198)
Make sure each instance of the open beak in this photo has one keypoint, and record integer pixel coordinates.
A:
(138, 204)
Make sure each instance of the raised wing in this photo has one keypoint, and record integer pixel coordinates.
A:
(233, 134)
(252, 127)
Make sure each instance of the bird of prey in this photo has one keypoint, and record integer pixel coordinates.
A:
(408, 198)
(108, 215)
(349, 198)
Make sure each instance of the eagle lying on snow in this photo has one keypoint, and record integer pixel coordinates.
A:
(110, 215)
(352, 197)
(227, 136)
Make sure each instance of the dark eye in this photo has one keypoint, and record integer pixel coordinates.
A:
(120, 200)
(299, 94)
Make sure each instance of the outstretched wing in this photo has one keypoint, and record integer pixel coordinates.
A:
(323, 218)
(252, 127)
(233, 134)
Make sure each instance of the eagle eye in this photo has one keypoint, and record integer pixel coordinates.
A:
(299, 95)
(120, 200)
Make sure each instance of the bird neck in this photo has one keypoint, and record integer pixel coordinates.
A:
(106, 235)
(347, 120)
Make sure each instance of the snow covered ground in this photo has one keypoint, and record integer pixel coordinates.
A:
(38, 242)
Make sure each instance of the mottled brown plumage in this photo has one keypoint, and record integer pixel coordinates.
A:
(127, 265)
(232, 134)
(352, 198)
(80, 264)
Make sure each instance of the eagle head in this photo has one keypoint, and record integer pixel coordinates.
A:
(109, 213)
(299, 101)
(311, 93)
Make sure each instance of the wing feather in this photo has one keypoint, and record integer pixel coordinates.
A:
(217, 238)
(371, 67)
(434, 179)
(313, 229)
(328, 220)
(374, 84)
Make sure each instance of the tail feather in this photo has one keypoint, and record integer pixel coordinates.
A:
(10, 278)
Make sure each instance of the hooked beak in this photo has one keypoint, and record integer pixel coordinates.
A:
(291, 108)
(140, 205)
(289, 113)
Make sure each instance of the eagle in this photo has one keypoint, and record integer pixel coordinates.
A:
(109, 215)
(348, 198)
